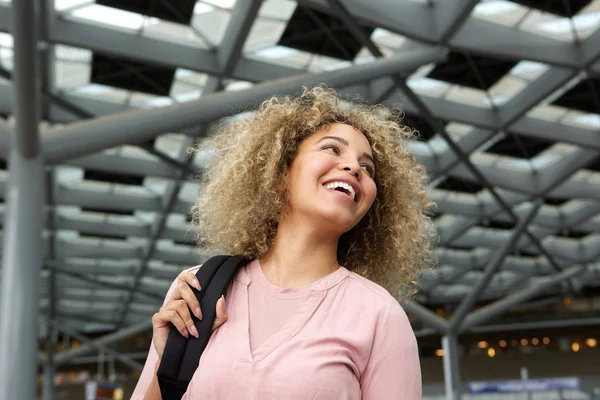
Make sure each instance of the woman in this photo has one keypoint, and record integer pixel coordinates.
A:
(325, 199)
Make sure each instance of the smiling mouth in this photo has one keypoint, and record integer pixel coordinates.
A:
(343, 188)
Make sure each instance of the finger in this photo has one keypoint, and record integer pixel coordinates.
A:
(184, 313)
(221, 313)
(190, 279)
(186, 293)
(171, 316)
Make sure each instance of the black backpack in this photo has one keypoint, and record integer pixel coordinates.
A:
(181, 356)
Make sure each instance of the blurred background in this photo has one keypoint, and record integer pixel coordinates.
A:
(100, 100)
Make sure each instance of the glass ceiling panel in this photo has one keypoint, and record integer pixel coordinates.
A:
(500, 12)
(211, 25)
(541, 23)
(176, 33)
(264, 34)
(280, 10)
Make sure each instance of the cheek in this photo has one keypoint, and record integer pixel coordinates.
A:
(370, 193)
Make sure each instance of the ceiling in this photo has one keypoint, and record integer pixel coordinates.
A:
(517, 89)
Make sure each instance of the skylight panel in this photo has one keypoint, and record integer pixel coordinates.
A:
(277, 9)
(107, 93)
(528, 70)
(500, 12)
(583, 120)
(228, 4)
(427, 86)
(73, 54)
(6, 58)
(586, 24)
(466, 95)
(70, 75)
(549, 25)
(65, 5)
(211, 25)
(144, 100)
(191, 77)
(6, 40)
(110, 16)
(184, 91)
(264, 34)
(547, 112)
(236, 85)
(322, 63)
(383, 37)
(506, 89)
(176, 33)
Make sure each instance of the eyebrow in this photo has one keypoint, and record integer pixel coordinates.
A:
(345, 142)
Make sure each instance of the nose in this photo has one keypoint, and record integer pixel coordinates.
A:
(352, 169)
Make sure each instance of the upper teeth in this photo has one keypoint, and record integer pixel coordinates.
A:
(333, 185)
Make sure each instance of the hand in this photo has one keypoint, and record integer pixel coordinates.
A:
(176, 312)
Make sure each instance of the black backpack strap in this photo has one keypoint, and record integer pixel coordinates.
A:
(181, 356)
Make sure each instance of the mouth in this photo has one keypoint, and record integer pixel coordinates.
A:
(342, 187)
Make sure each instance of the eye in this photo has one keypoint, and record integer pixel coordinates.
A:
(331, 147)
(369, 168)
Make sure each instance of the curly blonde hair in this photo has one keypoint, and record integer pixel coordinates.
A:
(240, 203)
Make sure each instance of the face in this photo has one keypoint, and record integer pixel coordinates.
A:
(331, 180)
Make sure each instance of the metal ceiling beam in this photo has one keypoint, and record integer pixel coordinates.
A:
(488, 312)
(494, 264)
(242, 18)
(95, 344)
(536, 91)
(426, 316)
(420, 22)
(104, 284)
(160, 52)
(78, 139)
(352, 25)
(550, 130)
(411, 19)
(241, 21)
(478, 36)
(523, 326)
(64, 356)
(452, 14)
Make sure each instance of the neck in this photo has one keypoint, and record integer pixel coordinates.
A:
(300, 254)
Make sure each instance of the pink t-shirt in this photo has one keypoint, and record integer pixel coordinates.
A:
(342, 337)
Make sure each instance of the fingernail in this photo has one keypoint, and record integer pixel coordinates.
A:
(223, 303)
(198, 312)
(186, 334)
(194, 331)
(196, 284)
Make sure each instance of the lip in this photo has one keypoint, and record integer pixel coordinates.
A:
(348, 182)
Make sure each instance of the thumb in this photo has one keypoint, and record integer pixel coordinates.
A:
(221, 313)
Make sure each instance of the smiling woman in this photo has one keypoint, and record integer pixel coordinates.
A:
(240, 206)
(327, 203)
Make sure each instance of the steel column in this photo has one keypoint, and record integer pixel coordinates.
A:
(81, 138)
(451, 367)
(498, 307)
(22, 251)
(495, 263)
(49, 367)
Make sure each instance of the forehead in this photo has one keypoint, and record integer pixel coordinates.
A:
(353, 136)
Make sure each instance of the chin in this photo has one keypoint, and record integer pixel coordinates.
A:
(336, 221)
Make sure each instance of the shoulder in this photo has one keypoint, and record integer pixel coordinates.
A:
(388, 311)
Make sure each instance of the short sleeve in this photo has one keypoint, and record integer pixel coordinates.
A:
(150, 365)
(393, 370)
